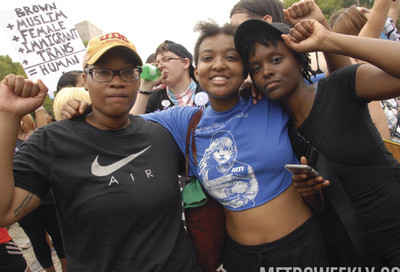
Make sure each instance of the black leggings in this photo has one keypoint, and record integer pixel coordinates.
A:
(35, 225)
(304, 247)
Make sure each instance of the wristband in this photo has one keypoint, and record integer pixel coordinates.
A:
(144, 92)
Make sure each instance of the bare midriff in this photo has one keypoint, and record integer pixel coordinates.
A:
(268, 222)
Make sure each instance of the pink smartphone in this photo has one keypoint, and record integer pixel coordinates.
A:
(301, 168)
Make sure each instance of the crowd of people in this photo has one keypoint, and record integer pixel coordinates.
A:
(112, 157)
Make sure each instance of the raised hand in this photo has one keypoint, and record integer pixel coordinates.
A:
(304, 9)
(306, 36)
(20, 96)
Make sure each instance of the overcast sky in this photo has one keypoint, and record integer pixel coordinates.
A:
(146, 23)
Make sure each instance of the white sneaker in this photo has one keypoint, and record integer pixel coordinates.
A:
(26, 244)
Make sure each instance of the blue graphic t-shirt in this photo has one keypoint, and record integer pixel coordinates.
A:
(241, 152)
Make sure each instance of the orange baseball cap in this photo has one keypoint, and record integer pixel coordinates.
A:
(101, 44)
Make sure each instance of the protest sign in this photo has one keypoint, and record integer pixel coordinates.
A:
(47, 43)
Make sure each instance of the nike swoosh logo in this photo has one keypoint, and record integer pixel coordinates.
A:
(101, 171)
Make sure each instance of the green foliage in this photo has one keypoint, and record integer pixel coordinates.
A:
(7, 66)
(329, 6)
(48, 104)
(288, 3)
(359, 3)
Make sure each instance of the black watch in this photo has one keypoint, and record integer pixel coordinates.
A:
(144, 92)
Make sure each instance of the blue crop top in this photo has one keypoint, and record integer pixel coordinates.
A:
(241, 152)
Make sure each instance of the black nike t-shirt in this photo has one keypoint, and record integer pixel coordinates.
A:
(116, 193)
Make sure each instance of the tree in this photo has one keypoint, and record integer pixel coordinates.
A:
(7, 66)
(330, 6)
(359, 3)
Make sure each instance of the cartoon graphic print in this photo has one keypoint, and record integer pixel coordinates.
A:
(231, 182)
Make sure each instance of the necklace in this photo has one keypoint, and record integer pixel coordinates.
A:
(103, 126)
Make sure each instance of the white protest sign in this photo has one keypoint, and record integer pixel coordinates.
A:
(46, 42)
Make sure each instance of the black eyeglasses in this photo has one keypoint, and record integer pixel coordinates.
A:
(102, 75)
